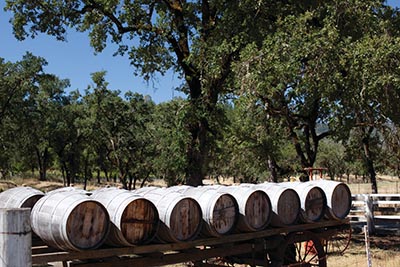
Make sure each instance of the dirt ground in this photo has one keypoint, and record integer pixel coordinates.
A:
(384, 249)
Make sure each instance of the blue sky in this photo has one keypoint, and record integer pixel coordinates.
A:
(75, 60)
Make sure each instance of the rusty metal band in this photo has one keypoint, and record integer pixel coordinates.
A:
(14, 233)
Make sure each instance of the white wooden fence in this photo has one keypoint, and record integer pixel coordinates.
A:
(376, 210)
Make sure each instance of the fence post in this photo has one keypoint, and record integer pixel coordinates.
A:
(367, 246)
(15, 237)
(369, 213)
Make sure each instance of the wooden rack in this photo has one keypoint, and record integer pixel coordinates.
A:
(246, 246)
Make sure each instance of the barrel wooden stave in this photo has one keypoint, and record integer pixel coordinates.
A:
(70, 221)
(134, 219)
(180, 216)
(338, 197)
(70, 189)
(285, 203)
(20, 197)
(255, 207)
(312, 199)
(220, 210)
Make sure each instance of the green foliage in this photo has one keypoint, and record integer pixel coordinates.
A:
(118, 131)
(303, 75)
(294, 76)
(170, 140)
(332, 156)
(198, 39)
(298, 71)
(253, 145)
(28, 98)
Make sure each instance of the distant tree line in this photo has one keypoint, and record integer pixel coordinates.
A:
(102, 136)
(272, 87)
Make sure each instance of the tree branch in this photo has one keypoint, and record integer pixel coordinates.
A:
(120, 27)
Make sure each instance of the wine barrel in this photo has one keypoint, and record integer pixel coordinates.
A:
(134, 219)
(220, 210)
(69, 189)
(338, 196)
(285, 203)
(70, 221)
(20, 197)
(255, 209)
(180, 216)
(312, 200)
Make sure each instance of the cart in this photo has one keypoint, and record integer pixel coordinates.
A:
(296, 245)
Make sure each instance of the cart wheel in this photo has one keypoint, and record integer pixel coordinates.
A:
(304, 249)
(340, 241)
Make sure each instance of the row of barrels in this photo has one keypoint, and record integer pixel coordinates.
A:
(75, 219)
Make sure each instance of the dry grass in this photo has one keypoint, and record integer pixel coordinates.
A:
(386, 185)
(385, 252)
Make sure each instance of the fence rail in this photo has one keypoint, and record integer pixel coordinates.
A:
(376, 210)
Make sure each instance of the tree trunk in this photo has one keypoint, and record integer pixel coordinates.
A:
(63, 175)
(98, 176)
(196, 154)
(306, 162)
(143, 182)
(123, 173)
(273, 168)
(132, 181)
(197, 149)
(86, 172)
(67, 174)
(42, 163)
(106, 175)
(370, 164)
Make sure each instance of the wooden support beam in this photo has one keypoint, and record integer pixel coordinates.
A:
(205, 264)
(175, 257)
(53, 256)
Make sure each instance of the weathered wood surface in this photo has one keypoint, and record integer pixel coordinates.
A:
(285, 203)
(338, 197)
(70, 221)
(134, 219)
(255, 208)
(15, 237)
(180, 216)
(20, 197)
(43, 255)
(220, 211)
(183, 256)
(376, 210)
(312, 200)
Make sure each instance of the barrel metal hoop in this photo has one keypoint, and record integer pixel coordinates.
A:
(15, 233)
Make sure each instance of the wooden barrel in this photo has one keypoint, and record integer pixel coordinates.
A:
(220, 210)
(70, 221)
(180, 216)
(312, 200)
(69, 189)
(20, 197)
(285, 203)
(255, 209)
(134, 219)
(338, 197)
